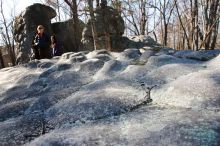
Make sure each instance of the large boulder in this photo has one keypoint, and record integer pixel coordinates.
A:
(143, 40)
(120, 43)
(109, 28)
(107, 21)
(25, 27)
(67, 36)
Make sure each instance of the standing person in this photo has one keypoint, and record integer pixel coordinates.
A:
(56, 50)
(41, 44)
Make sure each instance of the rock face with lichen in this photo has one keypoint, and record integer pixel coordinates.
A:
(37, 14)
(25, 28)
(107, 21)
(65, 33)
(110, 29)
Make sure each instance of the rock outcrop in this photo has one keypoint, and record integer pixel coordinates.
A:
(108, 23)
(140, 41)
(110, 28)
(67, 35)
(25, 27)
(95, 98)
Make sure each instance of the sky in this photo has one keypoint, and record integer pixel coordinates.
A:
(14, 8)
(19, 5)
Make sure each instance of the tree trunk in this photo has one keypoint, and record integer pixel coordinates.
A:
(174, 35)
(76, 24)
(94, 33)
(1, 60)
(196, 25)
(155, 36)
(7, 42)
(107, 35)
(215, 14)
(166, 18)
(214, 38)
(181, 23)
(143, 18)
(215, 34)
(105, 21)
(74, 13)
(211, 21)
(165, 34)
(192, 27)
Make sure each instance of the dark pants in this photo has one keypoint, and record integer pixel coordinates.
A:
(42, 52)
(36, 52)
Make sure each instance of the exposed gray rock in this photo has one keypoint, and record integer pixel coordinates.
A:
(45, 64)
(37, 14)
(32, 64)
(130, 54)
(107, 21)
(215, 62)
(104, 57)
(93, 102)
(186, 88)
(110, 28)
(66, 35)
(103, 51)
(168, 59)
(25, 27)
(146, 55)
(144, 40)
(198, 55)
(150, 125)
(67, 55)
(63, 66)
(110, 69)
(165, 51)
(76, 54)
(102, 54)
(77, 59)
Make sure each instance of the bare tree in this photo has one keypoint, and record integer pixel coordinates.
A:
(137, 20)
(94, 33)
(143, 17)
(212, 15)
(106, 29)
(199, 22)
(186, 24)
(1, 60)
(8, 42)
(74, 12)
(182, 25)
(165, 9)
(166, 12)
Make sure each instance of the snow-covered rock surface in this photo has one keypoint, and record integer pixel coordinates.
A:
(95, 98)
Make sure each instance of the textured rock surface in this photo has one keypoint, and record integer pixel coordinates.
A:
(38, 14)
(198, 55)
(94, 98)
(25, 28)
(107, 21)
(66, 34)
